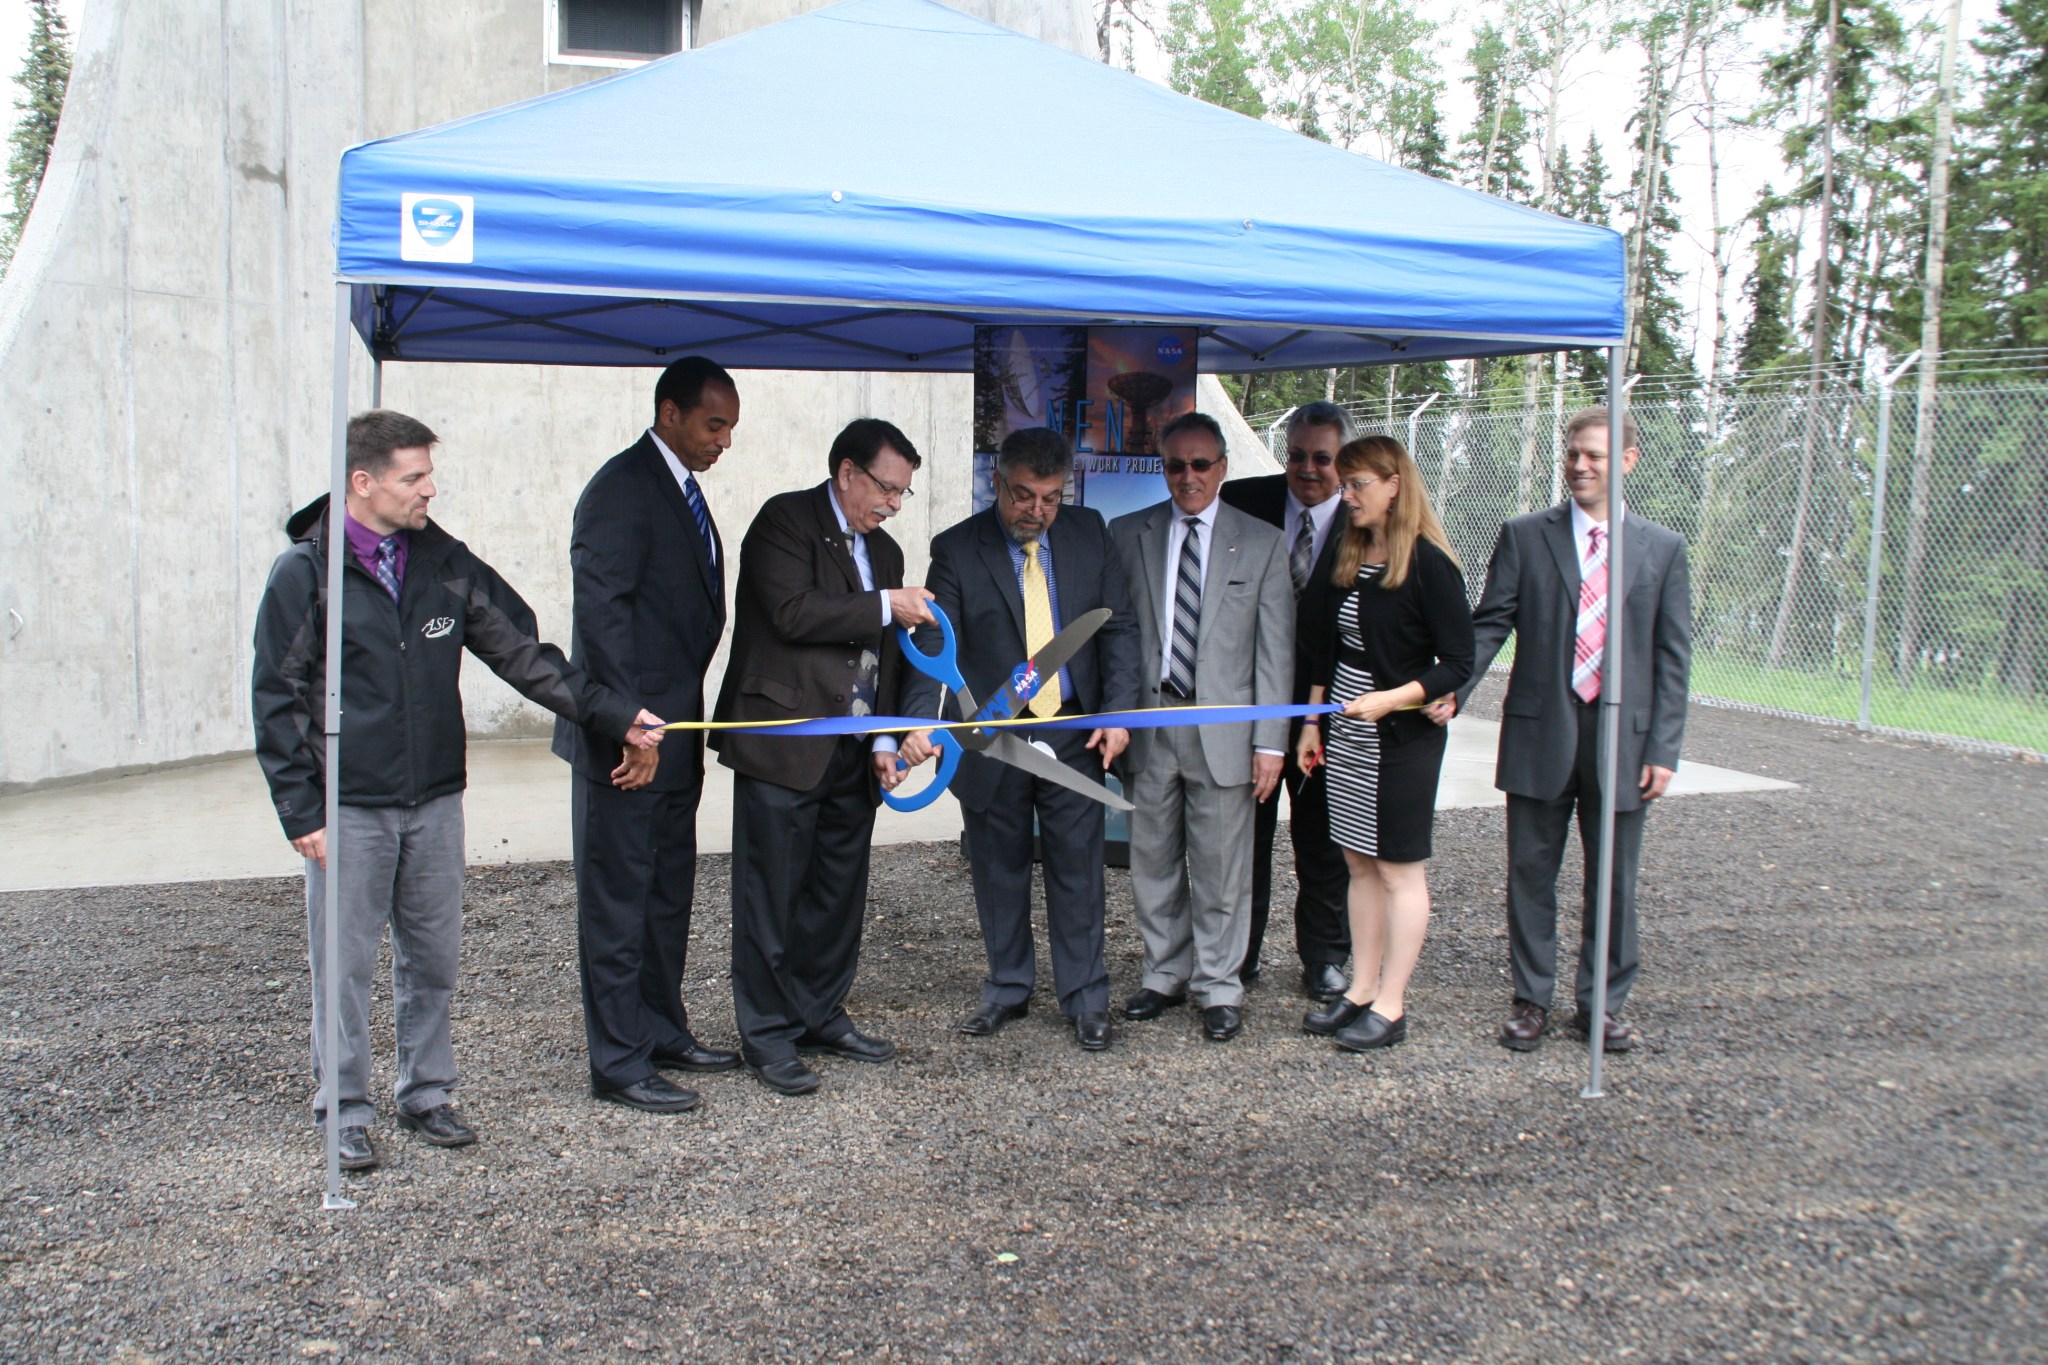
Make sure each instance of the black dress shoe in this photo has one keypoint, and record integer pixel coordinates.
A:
(1147, 1004)
(1373, 1030)
(789, 1076)
(1221, 1023)
(358, 1153)
(1091, 1030)
(1619, 1037)
(440, 1125)
(1339, 1013)
(989, 1018)
(1248, 973)
(1324, 983)
(655, 1095)
(852, 1045)
(694, 1056)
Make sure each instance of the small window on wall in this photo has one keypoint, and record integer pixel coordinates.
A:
(617, 32)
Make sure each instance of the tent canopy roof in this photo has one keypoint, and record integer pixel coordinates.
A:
(858, 187)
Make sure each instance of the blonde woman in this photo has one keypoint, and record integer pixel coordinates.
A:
(1395, 634)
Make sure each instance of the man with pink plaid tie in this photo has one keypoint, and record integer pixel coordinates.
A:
(1548, 585)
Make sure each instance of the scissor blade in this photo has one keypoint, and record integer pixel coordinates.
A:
(1051, 657)
(1019, 753)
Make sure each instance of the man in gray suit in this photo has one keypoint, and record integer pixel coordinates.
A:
(1215, 608)
(1548, 584)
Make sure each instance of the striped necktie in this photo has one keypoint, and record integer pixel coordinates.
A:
(695, 497)
(1187, 609)
(1301, 559)
(1592, 642)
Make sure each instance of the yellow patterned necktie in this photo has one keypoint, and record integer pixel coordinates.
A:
(1038, 628)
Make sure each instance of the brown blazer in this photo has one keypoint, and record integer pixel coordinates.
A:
(800, 620)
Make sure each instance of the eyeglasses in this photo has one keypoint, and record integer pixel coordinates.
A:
(1021, 497)
(1356, 487)
(1321, 459)
(890, 490)
(1179, 467)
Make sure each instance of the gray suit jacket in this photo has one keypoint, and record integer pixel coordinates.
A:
(1532, 590)
(1244, 645)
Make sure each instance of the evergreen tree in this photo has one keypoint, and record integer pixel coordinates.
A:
(1767, 337)
(2001, 249)
(1209, 45)
(1493, 152)
(45, 73)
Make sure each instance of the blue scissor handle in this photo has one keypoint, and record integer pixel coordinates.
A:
(948, 749)
(943, 666)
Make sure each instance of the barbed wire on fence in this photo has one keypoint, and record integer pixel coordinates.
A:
(1785, 605)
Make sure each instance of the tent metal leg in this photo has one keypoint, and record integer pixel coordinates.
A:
(376, 383)
(330, 1021)
(1610, 721)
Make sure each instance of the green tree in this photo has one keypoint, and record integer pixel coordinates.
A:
(1209, 43)
(1493, 153)
(1767, 337)
(45, 72)
(1351, 72)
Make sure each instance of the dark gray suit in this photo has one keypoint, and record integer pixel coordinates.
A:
(1549, 761)
(974, 579)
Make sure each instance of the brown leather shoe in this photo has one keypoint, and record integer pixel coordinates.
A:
(1618, 1036)
(1525, 1026)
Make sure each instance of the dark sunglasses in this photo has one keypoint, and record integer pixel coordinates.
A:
(1183, 466)
(1321, 459)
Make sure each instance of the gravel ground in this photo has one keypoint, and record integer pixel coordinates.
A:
(1828, 1149)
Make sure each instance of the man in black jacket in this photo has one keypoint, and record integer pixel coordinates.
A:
(413, 598)
(1303, 503)
(649, 571)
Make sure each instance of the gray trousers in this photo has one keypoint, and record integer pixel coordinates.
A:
(1191, 871)
(401, 867)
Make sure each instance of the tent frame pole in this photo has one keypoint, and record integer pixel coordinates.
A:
(330, 1014)
(1610, 717)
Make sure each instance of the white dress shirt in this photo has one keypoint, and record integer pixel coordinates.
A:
(1322, 517)
(1581, 525)
(884, 744)
(1176, 532)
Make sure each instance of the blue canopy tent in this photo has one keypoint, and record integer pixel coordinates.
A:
(860, 187)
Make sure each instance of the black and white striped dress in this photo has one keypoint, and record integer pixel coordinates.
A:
(1352, 747)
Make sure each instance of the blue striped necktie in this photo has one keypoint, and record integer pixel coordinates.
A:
(695, 498)
(1187, 609)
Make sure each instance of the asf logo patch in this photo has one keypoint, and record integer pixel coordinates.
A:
(438, 627)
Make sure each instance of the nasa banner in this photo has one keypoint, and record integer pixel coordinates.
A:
(1109, 390)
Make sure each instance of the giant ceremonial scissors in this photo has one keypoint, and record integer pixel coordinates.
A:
(1025, 680)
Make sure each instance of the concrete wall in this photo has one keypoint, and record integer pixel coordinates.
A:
(166, 340)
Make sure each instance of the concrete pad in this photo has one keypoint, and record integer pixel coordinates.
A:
(212, 821)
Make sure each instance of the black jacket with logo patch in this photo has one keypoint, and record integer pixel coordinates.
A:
(402, 727)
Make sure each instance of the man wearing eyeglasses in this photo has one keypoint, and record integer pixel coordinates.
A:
(1009, 578)
(1215, 609)
(820, 584)
(1303, 503)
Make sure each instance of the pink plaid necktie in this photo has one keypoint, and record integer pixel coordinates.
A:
(1592, 619)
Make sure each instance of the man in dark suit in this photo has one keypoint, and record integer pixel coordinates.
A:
(820, 584)
(1303, 503)
(1548, 585)
(1009, 578)
(649, 582)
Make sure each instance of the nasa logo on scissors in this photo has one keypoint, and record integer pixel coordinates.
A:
(1024, 681)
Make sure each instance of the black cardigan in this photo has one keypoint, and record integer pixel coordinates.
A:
(1418, 632)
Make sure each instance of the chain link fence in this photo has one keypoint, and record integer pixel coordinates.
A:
(1781, 494)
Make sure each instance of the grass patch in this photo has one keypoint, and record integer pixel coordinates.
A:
(1987, 713)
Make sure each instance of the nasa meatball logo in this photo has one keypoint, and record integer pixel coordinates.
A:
(1171, 352)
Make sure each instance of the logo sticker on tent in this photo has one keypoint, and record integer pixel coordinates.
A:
(437, 227)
